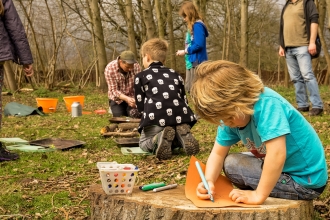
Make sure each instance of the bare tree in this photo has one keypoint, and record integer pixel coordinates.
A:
(160, 20)
(149, 19)
(244, 34)
(130, 26)
(99, 42)
(227, 31)
(36, 43)
(171, 34)
(322, 12)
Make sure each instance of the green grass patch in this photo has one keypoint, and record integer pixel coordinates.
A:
(54, 185)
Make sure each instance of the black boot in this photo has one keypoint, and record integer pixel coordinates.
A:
(6, 155)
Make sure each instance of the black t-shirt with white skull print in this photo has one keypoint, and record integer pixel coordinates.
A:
(161, 97)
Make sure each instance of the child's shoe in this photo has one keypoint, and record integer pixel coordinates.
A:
(163, 143)
(186, 139)
(6, 155)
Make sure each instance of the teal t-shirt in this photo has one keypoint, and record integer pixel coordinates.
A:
(187, 44)
(273, 117)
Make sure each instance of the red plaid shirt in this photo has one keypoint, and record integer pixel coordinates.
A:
(118, 83)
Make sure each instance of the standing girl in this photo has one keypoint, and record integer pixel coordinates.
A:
(195, 42)
(13, 46)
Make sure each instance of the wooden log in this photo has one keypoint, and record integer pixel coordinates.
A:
(109, 128)
(128, 126)
(112, 127)
(172, 205)
(121, 134)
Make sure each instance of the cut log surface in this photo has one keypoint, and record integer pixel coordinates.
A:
(173, 205)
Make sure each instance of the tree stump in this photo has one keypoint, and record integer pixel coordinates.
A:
(173, 205)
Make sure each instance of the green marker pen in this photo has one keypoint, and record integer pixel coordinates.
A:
(152, 186)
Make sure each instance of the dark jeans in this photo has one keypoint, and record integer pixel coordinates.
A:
(121, 109)
(244, 171)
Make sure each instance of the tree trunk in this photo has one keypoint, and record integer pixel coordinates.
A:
(160, 20)
(259, 56)
(171, 35)
(97, 72)
(328, 12)
(228, 29)
(244, 31)
(322, 16)
(148, 19)
(36, 43)
(286, 73)
(10, 75)
(130, 26)
(202, 9)
(99, 43)
(172, 204)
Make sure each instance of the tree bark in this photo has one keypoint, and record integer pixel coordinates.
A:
(228, 6)
(36, 43)
(160, 20)
(130, 26)
(322, 12)
(149, 19)
(90, 14)
(328, 12)
(171, 57)
(99, 43)
(244, 31)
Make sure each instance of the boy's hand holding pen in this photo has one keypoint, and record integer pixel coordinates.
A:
(205, 184)
(203, 193)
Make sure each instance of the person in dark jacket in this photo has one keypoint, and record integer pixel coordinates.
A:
(160, 95)
(13, 46)
(195, 41)
(298, 35)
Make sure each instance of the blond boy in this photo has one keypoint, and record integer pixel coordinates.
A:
(286, 158)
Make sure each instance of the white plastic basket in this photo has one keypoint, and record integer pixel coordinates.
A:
(117, 178)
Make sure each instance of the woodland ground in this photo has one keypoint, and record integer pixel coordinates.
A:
(55, 185)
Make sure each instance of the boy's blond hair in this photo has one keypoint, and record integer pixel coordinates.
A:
(223, 90)
(156, 48)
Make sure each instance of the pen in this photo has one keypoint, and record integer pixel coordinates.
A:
(165, 187)
(152, 186)
(206, 185)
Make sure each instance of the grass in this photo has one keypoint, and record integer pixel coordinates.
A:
(55, 185)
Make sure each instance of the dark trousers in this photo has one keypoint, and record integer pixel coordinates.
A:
(121, 109)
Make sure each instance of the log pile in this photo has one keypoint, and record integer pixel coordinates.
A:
(126, 129)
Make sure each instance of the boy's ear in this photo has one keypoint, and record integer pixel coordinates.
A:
(148, 58)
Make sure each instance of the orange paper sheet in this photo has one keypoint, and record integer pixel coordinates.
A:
(222, 189)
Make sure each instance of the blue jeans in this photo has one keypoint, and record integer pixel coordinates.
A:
(244, 171)
(299, 63)
(147, 134)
